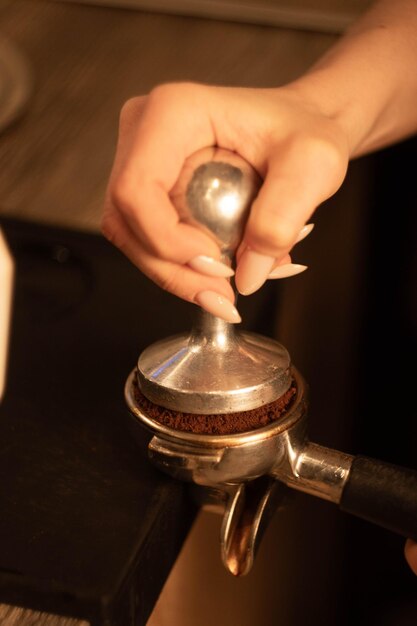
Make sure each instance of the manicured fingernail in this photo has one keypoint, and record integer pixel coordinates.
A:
(209, 266)
(218, 305)
(252, 271)
(289, 269)
(304, 232)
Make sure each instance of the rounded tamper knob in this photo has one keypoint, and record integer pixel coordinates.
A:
(215, 191)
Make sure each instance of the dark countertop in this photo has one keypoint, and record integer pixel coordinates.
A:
(89, 528)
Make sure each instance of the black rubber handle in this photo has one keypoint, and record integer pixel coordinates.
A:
(383, 494)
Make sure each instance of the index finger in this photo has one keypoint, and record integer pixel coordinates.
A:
(172, 125)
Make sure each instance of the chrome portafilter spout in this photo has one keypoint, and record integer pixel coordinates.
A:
(216, 369)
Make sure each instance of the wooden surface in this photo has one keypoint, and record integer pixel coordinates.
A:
(89, 528)
(86, 61)
(320, 16)
(14, 616)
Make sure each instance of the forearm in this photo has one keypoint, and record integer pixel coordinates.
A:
(367, 81)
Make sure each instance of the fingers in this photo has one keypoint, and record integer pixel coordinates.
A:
(304, 232)
(170, 126)
(411, 554)
(299, 177)
(156, 134)
(285, 270)
(253, 266)
(213, 294)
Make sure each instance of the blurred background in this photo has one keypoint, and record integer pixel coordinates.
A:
(349, 322)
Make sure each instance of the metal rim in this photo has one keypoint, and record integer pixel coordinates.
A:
(296, 411)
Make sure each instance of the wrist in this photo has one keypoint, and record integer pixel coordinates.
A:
(322, 88)
(367, 82)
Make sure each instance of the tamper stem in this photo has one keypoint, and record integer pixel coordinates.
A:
(212, 331)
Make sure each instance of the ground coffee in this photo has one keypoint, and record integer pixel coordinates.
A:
(223, 424)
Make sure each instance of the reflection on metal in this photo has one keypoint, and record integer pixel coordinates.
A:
(15, 83)
(247, 514)
(319, 471)
(265, 13)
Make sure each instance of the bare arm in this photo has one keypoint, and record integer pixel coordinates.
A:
(368, 80)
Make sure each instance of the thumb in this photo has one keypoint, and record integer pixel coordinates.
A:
(297, 181)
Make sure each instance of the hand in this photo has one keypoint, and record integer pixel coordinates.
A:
(411, 554)
(300, 152)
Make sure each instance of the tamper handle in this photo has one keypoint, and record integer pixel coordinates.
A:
(215, 191)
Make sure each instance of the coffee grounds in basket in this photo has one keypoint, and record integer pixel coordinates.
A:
(221, 424)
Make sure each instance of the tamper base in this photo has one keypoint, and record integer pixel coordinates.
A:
(196, 377)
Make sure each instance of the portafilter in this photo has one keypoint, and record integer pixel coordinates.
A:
(217, 369)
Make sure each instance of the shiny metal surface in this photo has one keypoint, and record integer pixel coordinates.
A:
(319, 471)
(215, 368)
(247, 513)
(229, 466)
(214, 192)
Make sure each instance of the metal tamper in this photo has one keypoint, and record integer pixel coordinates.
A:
(216, 369)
